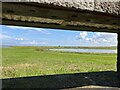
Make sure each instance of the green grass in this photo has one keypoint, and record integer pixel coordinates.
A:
(35, 61)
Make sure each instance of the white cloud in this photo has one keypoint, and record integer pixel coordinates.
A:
(30, 29)
(99, 38)
(32, 43)
(20, 39)
(105, 37)
(3, 36)
(83, 34)
(24, 28)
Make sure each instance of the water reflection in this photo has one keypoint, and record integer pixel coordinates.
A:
(86, 50)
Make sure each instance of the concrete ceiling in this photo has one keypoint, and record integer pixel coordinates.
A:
(88, 15)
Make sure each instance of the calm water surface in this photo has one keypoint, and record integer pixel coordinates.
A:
(86, 50)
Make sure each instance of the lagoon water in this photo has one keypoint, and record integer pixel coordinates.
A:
(86, 50)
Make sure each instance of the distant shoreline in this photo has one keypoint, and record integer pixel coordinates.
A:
(4, 46)
(68, 47)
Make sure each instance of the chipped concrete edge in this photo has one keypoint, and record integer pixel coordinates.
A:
(59, 22)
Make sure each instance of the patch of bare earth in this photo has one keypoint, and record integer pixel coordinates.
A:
(18, 66)
(10, 71)
(73, 67)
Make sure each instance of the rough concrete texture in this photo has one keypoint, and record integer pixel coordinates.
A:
(112, 28)
(106, 6)
(57, 24)
(106, 80)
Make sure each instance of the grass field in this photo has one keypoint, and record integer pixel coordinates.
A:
(35, 61)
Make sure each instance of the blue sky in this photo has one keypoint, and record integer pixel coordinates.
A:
(28, 36)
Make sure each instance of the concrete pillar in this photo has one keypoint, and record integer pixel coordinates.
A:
(118, 55)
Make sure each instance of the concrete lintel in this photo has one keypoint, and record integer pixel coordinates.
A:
(89, 15)
(9, 19)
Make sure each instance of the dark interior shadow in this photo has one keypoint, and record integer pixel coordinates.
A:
(64, 81)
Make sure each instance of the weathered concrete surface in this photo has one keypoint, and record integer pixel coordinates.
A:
(106, 80)
(107, 6)
(89, 15)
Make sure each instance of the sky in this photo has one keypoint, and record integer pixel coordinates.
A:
(29, 36)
